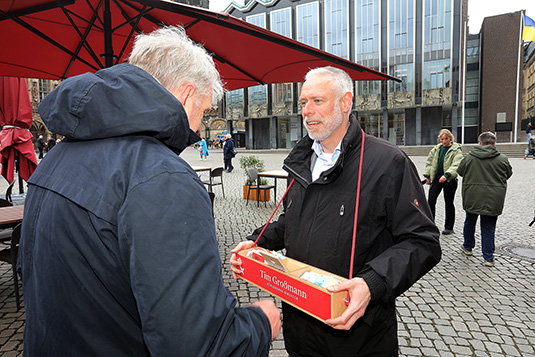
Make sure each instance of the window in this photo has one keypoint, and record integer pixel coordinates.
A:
(45, 87)
(308, 24)
(437, 29)
(336, 27)
(235, 98)
(405, 72)
(367, 32)
(257, 94)
(437, 74)
(281, 23)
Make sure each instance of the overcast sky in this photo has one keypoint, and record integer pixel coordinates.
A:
(477, 9)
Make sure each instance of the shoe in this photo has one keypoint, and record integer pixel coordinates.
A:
(525, 157)
(447, 232)
(465, 250)
(489, 263)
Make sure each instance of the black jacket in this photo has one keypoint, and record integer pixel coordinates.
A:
(118, 254)
(397, 241)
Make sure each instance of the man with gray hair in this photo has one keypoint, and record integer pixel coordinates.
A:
(485, 172)
(118, 254)
(396, 239)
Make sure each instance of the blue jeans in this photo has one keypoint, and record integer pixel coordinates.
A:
(488, 229)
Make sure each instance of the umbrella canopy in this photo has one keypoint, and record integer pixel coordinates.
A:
(56, 39)
(16, 120)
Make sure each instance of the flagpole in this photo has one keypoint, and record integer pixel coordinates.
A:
(518, 71)
(464, 83)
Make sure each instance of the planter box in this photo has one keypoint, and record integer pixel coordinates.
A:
(289, 286)
(264, 194)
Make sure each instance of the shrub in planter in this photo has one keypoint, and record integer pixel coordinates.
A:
(253, 162)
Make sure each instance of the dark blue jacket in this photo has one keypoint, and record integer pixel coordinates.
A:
(228, 149)
(119, 255)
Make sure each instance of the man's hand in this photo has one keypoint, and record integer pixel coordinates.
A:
(442, 179)
(235, 264)
(273, 314)
(360, 297)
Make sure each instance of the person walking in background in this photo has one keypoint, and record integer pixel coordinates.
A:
(397, 241)
(203, 149)
(120, 256)
(531, 148)
(50, 143)
(485, 172)
(441, 173)
(528, 130)
(228, 152)
(41, 146)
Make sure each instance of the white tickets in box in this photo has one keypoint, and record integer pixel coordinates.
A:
(296, 283)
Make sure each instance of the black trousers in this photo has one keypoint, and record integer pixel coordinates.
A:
(449, 196)
(228, 164)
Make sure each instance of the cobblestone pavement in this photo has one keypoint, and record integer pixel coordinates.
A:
(461, 308)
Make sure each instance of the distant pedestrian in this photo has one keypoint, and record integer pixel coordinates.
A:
(203, 150)
(50, 143)
(441, 173)
(228, 153)
(41, 146)
(531, 148)
(485, 172)
(528, 132)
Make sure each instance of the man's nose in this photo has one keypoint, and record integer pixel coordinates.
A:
(306, 109)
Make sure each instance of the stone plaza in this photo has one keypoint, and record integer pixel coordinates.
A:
(460, 308)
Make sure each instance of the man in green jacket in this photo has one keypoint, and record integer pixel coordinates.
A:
(485, 173)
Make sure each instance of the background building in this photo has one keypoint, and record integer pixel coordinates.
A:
(418, 41)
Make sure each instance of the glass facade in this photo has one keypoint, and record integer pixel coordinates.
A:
(307, 17)
(417, 41)
(437, 44)
(401, 44)
(336, 27)
(367, 42)
(257, 94)
(281, 23)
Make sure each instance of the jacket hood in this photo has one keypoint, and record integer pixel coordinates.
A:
(117, 101)
(484, 151)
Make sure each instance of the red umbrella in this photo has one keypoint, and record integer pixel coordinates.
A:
(16, 120)
(56, 39)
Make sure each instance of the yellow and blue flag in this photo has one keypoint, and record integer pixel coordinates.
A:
(529, 29)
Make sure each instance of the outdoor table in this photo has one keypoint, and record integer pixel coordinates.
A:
(201, 168)
(275, 174)
(11, 216)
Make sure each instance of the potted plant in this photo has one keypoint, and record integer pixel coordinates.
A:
(253, 162)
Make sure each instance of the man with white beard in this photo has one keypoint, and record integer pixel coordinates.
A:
(396, 241)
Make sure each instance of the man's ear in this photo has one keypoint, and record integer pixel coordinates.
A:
(184, 93)
(346, 102)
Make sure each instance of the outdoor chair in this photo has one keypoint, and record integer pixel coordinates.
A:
(5, 231)
(212, 197)
(9, 191)
(214, 181)
(9, 255)
(253, 185)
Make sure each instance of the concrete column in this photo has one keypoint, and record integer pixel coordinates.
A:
(418, 126)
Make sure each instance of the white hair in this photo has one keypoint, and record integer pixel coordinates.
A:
(342, 82)
(171, 57)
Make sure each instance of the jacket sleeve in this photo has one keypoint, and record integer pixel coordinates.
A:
(451, 171)
(167, 239)
(429, 162)
(462, 166)
(415, 249)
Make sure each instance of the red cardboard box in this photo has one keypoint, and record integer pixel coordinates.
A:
(289, 287)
